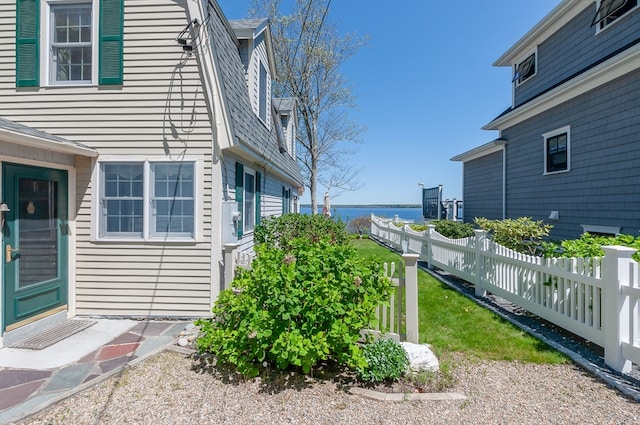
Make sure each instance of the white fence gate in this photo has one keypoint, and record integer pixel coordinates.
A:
(595, 298)
(399, 320)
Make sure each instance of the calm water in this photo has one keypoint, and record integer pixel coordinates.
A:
(347, 214)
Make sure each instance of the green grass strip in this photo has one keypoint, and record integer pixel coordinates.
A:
(451, 322)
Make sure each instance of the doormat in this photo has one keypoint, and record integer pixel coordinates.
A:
(53, 335)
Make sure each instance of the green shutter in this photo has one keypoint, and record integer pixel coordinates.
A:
(239, 196)
(27, 43)
(258, 197)
(110, 48)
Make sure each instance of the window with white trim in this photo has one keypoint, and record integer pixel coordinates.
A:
(556, 150)
(249, 207)
(147, 200)
(262, 97)
(525, 69)
(249, 198)
(608, 11)
(71, 44)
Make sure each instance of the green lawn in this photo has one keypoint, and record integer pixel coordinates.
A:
(451, 322)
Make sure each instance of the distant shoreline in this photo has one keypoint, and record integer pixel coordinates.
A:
(367, 205)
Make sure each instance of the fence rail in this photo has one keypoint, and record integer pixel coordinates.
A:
(595, 298)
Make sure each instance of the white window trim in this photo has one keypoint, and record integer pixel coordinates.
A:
(599, 30)
(251, 172)
(545, 136)
(533, 52)
(45, 53)
(595, 228)
(96, 179)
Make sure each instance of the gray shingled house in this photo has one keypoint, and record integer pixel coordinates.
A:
(137, 139)
(568, 148)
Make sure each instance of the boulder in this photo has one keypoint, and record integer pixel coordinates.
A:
(420, 357)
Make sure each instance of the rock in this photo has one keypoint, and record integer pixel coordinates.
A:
(189, 326)
(420, 357)
(183, 342)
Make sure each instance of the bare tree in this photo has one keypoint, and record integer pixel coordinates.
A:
(309, 53)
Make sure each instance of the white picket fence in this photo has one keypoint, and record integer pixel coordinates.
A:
(397, 320)
(595, 298)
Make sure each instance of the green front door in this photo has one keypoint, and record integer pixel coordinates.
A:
(35, 244)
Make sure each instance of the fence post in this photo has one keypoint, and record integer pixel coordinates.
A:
(230, 256)
(480, 237)
(372, 223)
(615, 321)
(411, 295)
(430, 229)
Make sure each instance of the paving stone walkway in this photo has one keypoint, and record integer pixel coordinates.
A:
(24, 391)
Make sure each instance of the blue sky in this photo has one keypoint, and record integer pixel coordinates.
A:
(424, 86)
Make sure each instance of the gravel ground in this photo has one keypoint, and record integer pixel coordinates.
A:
(166, 390)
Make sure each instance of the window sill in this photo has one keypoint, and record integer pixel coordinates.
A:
(551, 173)
(140, 241)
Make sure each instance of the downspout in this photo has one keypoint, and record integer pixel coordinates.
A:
(504, 180)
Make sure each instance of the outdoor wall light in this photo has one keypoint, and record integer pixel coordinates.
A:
(554, 215)
(3, 209)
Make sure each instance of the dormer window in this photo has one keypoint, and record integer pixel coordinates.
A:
(525, 69)
(262, 98)
(610, 10)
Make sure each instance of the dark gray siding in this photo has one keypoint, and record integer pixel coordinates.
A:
(574, 48)
(603, 185)
(483, 187)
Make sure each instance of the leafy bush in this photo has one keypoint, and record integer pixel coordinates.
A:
(589, 246)
(449, 228)
(386, 360)
(279, 232)
(360, 225)
(522, 234)
(296, 308)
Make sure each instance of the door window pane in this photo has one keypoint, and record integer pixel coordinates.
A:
(37, 231)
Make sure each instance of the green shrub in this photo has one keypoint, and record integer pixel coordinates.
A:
(386, 360)
(522, 234)
(449, 228)
(296, 308)
(279, 232)
(360, 225)
(589, 246)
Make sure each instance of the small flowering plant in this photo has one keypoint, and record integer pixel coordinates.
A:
(296, 308)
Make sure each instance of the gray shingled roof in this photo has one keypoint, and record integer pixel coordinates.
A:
(284, 104)
(247, 24)
(246, 125)
(32, 132)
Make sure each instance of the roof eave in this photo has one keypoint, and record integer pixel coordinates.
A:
(555, 19)
(46, 144)
(480, 151)
(624, 63)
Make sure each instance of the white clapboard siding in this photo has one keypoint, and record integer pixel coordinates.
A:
(161, 96)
